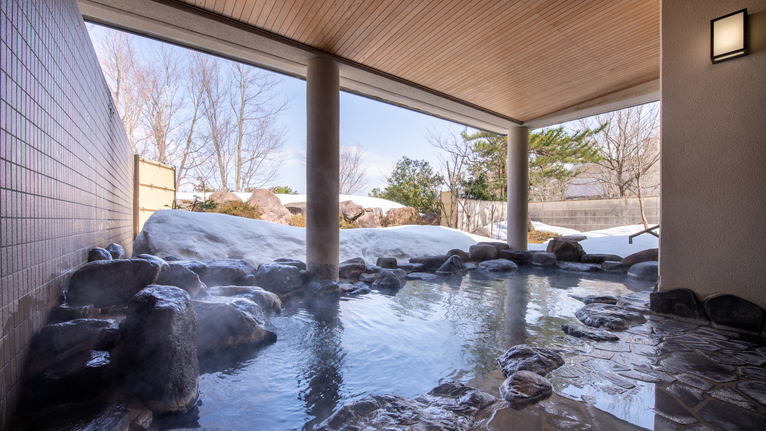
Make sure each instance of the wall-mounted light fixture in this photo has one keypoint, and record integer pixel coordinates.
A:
(728, 36)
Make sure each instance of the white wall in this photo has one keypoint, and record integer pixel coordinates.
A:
(713, 210)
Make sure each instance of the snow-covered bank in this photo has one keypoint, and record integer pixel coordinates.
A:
(364, 201)
(608, 241)
(192, 235)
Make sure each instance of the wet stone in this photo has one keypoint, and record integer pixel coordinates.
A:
(498, 265)
(670, 325)
(698, 365)
(737, 357)
(733, 397)
(600, 258)
(699, 427)
(662, 424)
(722, 416)
(605, 366)
(453, 265)
(581, 331)
(641, 330)
(753, 373)
(703, 347)
(694, 381)
(617, 380)
(648, 340)
(524, 357)
(731, 345)
(734, 312)
(643, 349)
(667, 407)
(638, 302)
(755, 390)
(672, 346)
(596, 299)
(687, 394)
(98, 253)
(573, 371)
(420, 276)
(651, 377)
(609, 316)
(613, 347)
(600, 354)
(633, 360)
(645, 271)
(578, 267)
(524, 388)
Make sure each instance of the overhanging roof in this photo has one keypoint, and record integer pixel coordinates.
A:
(487, 64)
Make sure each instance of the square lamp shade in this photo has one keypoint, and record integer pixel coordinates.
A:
(728, 36)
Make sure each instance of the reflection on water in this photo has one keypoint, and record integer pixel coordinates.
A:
(406, 344)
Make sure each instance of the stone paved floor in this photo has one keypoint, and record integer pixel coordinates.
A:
(664, 374)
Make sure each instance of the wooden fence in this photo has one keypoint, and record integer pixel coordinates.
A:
(154, 188)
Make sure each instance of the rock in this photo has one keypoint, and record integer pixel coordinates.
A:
(579, 267)
(370, 219)
(431, 219)
(90, 416)
(600, 258)
(458, 252)
(641, 256)
(351, 269)
(398, 272)
(158, 361)
(65, 337)
(386, 262)
(565, 249)
(734, 312)
(174, 274)
(324, 288)
(424, 276)
(596, 299)
(453, 265)
(401, 217)
(222, 198)
(448, 407)
(482, 252)
(79, 377)
(296, 208)
(543, 258)
(372, 269)
(482, 231)
(755, 390)
(278, 278)
(733, 397)
(524, 357)
(98, 253)
(722, 416)
(368, 278)
(225, 272)
(359, 289)
(499, 246)
(170, 258)
(269, 302)
(411, 267)
(350, 211)
(589, 333)
(229, 322)
(519, 257)
(430, 263)
(107, 283)
(667, 407)
(677, 302)
(387, 281)
(498, 265)
(66, 312)
(270, 205)
(524, 388)
(116, 251)
(151, 258)
(644, 271)
(609, 316)
(613, 266)
(292, 262)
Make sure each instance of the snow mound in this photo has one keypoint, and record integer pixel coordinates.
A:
(365, 201)
(193, 235)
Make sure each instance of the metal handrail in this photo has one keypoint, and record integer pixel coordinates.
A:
(650, 230)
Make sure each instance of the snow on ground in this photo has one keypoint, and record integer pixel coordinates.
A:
(193, 235)
(364, 201)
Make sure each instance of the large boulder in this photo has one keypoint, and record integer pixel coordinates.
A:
(158, 361)
(581, 331)
(108, 283)
(523, 357)
(351, 269)
(270, 206)
(296, 208)
(734, 312)
(644, 271)
(524, 388)
(66, 337)
(453, 265)
(292, 262)
(482, 252)
(600, 258)
(369, 219)
(677, 302)
(78, 377)
(460, 253)
(66, 312)
(386, 262)
(387, 280)
(278, 278)
(519, 257)
(565, 249)
(223, 272)
(268, 301)
(350, 211)
(544, 258)
(223, 323)
(430, 263)
(401, 216)
(431, 219)
(223, 198)
(175, 274)
(499, 246)
(641, 256)
(498, 265)
(448, 407)
(608, 316)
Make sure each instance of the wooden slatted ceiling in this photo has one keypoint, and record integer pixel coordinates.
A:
(523, 59)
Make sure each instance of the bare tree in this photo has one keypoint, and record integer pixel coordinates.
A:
(352, 177)
(121, 68)
(455, 160)
(163, 100)
(219, 122)
(629, 148)
(190, 154)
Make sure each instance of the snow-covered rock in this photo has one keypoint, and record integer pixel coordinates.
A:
(201, 236)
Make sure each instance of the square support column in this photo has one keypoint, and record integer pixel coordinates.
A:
(518, 187)
(322, 168)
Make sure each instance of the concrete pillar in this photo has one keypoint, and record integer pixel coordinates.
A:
(518, 186)
(322, 168)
